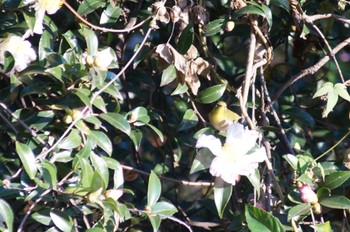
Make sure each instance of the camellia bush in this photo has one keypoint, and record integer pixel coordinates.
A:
(208, 115)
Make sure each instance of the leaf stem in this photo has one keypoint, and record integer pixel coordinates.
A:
(334, 146)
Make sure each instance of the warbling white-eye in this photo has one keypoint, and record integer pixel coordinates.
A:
(220, 117)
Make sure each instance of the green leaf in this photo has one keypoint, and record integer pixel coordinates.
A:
(211, 94)
(27, 158)
(169, 74)
(259, 220)
(102, 140)
(7, 214)
(336, 202)
(154, 189)
(100, 104)
(292, 160)
(214, 27)
(163, 209)
(101, 167)
(180, 89)
(139, 116)
(155, 222)
(323, 227)
(340, 89)
(62, 220)
(336, 179)
(42, 216)
(157, 131)
(110, 15)
(254, 179)
(222, 195)
(281, 3)
(73, 140)
(118, 121)
(255, 9)
(49, 173)
(86, 171)
(136, 137)
(189, 120)
(88, 6)
(202, 161)
(91, 39)
(45, 44)
(325, 88)
(300, 210)
(9, 62)
(185, 40)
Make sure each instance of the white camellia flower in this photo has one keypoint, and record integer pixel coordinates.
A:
(40, 7)
(103, 59)
(239, 156)
(21, 50)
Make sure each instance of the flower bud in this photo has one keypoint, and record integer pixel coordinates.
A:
(229, 25)
(103, 59)
(316, 208)
(307, 195)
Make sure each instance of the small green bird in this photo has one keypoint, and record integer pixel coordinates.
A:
(220, 117)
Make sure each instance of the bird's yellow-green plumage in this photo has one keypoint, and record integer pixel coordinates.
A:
(220, 117)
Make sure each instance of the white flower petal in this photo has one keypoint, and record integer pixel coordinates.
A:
(39, 20)
(210, 142)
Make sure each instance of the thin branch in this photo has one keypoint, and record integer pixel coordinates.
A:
(183, 182)
(103, 28)
(309, 71)
(334, 146)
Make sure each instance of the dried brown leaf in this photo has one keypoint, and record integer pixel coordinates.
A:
(200, 15)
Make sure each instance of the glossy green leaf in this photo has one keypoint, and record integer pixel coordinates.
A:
(180, 89)
(155, 222)
(86, 171)
(259, 220)
(101, 167)
(27, 158)
(281, 3)
(336, 202)
(83, 95)
(336, 179)
(136, 137)
(189, 120)
(154, 189)
(42, 216)
(91, 38)
(88, 6)
(185, 40)
(9, 62)
(102, 140)
(202, 160)
(168, 75)
(139, 116)
(49, 173)
(46, 42)
(254, 179)
(73, 140)
(211, 94)
(118, 177)
(222, 195)
(340, 89)
(157, 131)
(255, 9)
(323, 227)
(110, 14)
(118, 121)
(163, 209)
(62, 220)
(292, 160)
(300, 210)
(100, 104)
(6, 214)
(214, 27)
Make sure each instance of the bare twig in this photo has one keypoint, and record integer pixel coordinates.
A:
(127, 29)
(309, 71)
(183, 182)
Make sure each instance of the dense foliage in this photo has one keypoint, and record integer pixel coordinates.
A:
(102, 105)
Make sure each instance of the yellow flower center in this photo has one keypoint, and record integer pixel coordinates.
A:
(231, 153)
(51, 6)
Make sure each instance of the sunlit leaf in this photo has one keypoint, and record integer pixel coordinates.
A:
(62, 220)
(300, 210)
(118, 121)
(211, 94)
(189, 120)
(336, 202)
(102, 140)
(27, 158)
(7, 214)
(259, 220)
(336, 179)
(154, 189)
(222, 195)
